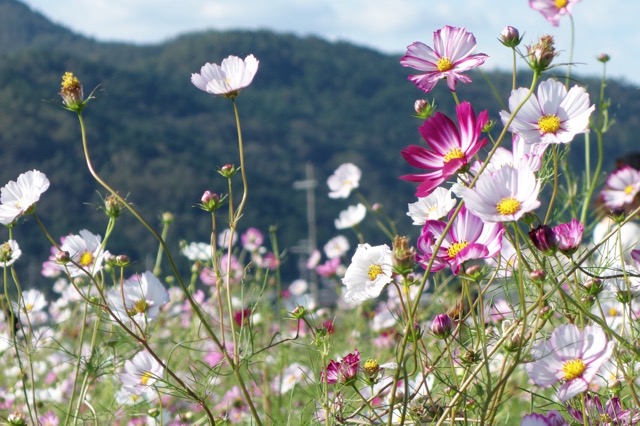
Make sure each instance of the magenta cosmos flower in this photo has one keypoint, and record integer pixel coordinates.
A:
(569, 236)
(449, 150)
(228, 78)
(622, 187)
(343, 371)
(468, 238)
(572, 356)
(450, 56)
(552, 10)
(553, 116)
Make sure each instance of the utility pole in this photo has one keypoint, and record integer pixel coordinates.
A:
(309, 184)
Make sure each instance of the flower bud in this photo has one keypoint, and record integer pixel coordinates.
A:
(122, 260)
(167, 218)
(371, 367)
(538, 276)
(299, 312)
(424, 109)
(71, 92)
(603, 57)
(442, 326)
(544, 239)
(594, 286)
(63, 257)
(6, 253)
(541, 54)
(228, 170)
(211, 201)
(510, 36)
(404, 257)
(112, 206)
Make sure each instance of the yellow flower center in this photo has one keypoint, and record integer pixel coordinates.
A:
(573, 368)
(561, 3)
(613, 312)
(628, 189)
(371, 366)
(69, 82)
(28, 307)
(455, 248)
(455, 153)
(139, 307)
(374, 271)
(444, 64)
(549, 124)
(508, 206)
(86, 259)
(144, 379)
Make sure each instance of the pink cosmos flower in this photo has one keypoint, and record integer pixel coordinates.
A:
(552, 10)
(572, 356)
(552, 418)
(228, 78)
(450, 56)
(612, 413)
(343, 371)
(252, 239)
(449, 150)
(469, 238)
(622, 187)
(569, 236)
(328, 268)
(554, 115)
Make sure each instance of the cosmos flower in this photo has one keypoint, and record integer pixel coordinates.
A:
(345, 179)
(572, 356)
(612, 413)
(450, 56)
(569, 236)
(228, 78)
(141, 372)
(336, 247)
(252, 239)
(552, 418)
(139, 298)
(449, 150)
(197, 251)
(370, 271)
(553, 116)
(432, 207)
(503, 196)
(351, 217)
(552, 10)
(18, 198)
(290, 376)
(85, 251)
(9, 253)
(468, 238)
(622, 187)
(343, 371)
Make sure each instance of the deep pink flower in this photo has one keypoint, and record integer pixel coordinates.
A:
(552, 418)
(468, 238)
(612, 411)
(569, 236)
(552, 10)
(328, 268)
(343, 371)
(450, 56)
(449, 150)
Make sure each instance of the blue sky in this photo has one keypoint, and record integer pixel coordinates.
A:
(601, 26)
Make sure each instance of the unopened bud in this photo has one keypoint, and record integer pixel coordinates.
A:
(403, 256)
(122, 260)
(167, 218)
(63, 257)
(538, 276)
(228, 170)
(510, 36)
(603, 57)
(299, 312)
(442, 326)
(424, 109)
(112, 206)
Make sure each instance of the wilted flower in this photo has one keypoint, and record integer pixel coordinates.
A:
(450, 56)
(370, 271)
(351, 217)
(345, 179)
(541, 54)
(228, 78)
(20, 197)
(552, 10)
(553, 116)
(71, 92)
(570, 355)
(449, 150)
(343, 371)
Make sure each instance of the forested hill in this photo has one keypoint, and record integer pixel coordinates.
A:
(157, 138)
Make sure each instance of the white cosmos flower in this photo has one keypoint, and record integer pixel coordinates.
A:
(140, 298)
(19, 197)
(84, 250)
(141, 371)
(345, 179)
(553, 116)
(350, 217)
(503, 196)
(336, 247)
(225, 236)
(290, 377)
(9, 253)
(432, 207)
(228, 78)
(370, 271)
(197, 251)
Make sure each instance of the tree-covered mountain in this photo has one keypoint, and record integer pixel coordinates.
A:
(159, 140)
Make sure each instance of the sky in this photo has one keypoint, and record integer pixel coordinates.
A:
(601, 26)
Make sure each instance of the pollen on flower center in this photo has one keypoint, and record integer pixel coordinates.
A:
(139, 307)
(444, 64)
(86, 259)
(144, 378)
(374, 271)
(69, 82)
(573, 368)
(508, 206)
(549, 124)
(613, 312)
(455, 153)
(628, 189)
(455, 248)
(561, 3)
